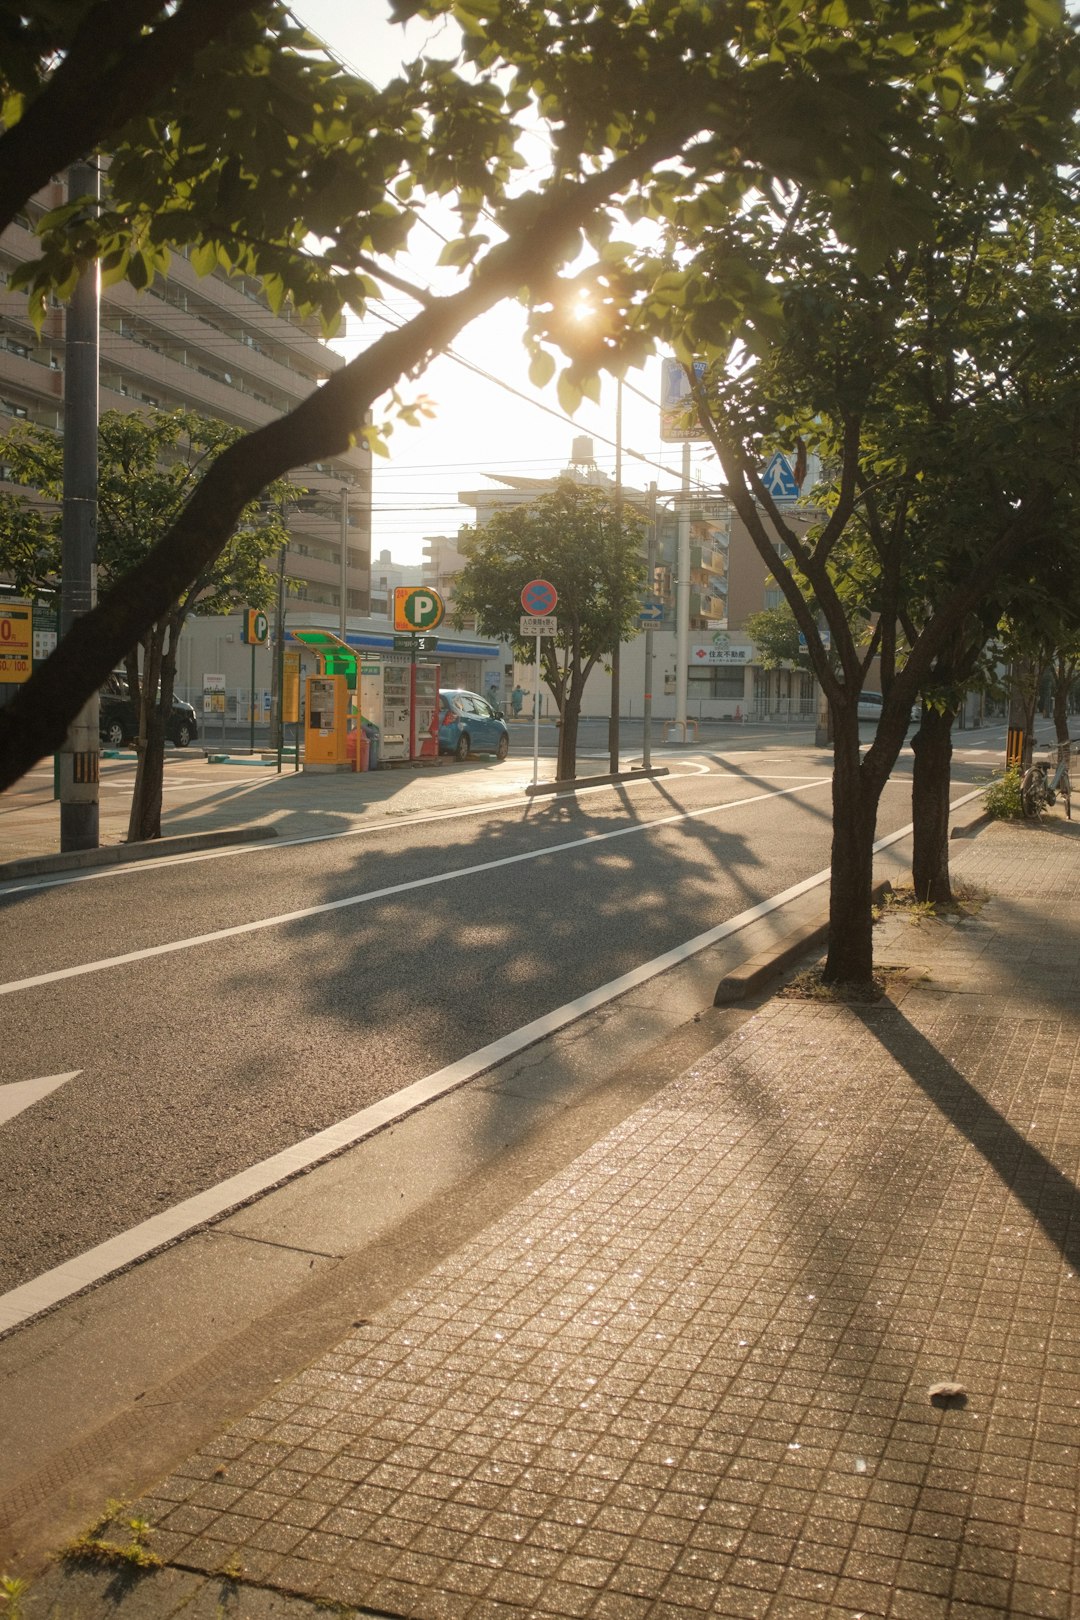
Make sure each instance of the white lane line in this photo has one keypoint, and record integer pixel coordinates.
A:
(19, 1094)
(136, 868)
(61, 1282)
(170, 947)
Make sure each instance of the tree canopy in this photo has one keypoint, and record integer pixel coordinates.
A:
(937, 388)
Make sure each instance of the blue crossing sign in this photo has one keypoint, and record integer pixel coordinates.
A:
(779, 479)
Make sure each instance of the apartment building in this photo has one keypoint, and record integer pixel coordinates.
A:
(209, 344)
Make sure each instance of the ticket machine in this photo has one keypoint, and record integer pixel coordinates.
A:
(327, 727)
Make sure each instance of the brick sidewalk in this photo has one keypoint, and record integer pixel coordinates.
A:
(691, 1374)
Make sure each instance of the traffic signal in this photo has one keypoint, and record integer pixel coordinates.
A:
(255, 627)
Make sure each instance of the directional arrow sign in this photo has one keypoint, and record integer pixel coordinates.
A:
(651, 611)
(23, 1093)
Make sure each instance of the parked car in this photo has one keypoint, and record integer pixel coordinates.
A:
(118, 720)
(469, 725)
(870, 707)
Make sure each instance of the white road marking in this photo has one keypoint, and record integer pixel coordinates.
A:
(20, 1094)
(136, 868)
(373, 895)
(72, 1276)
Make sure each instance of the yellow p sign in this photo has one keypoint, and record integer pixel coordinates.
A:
(417, 608)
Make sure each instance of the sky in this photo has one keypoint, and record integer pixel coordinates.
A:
(479, 426)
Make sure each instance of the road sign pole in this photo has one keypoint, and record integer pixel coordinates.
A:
(538, 598)
(251, 701)
(536, 714)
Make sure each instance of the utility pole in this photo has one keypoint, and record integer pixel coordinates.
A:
(650, 570)
(78, 761)
(682, 597)
(613, 723)
(344, 561)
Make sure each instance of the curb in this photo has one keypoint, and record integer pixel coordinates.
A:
(971, 828)
(77, 860)
(634, 775)
(756, 972)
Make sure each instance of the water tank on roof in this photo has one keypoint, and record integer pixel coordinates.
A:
(581, 452)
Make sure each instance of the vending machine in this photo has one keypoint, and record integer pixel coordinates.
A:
(397, 711)
(424, 738)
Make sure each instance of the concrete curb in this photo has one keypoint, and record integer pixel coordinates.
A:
(120, 854)
(635, 775)
(757, 971)
(975, 825)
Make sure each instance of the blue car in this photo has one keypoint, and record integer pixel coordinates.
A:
(469, 725)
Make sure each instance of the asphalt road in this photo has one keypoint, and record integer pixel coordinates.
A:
(220, 1009)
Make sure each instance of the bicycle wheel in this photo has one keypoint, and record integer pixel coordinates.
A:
(1032, 793)
(1065, 789)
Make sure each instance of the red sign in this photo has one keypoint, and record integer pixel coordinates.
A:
(539, 598)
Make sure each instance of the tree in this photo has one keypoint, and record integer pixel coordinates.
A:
(248, 140)
(775, 633)
(148, 468)
(947, 353)
(592, 554)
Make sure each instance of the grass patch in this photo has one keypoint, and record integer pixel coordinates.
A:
(114, 1540)
(12, 1592)
(967, 901)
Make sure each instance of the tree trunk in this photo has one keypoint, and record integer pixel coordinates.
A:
(145, 819)
(566, 767)
(930, 783)
(850, 958)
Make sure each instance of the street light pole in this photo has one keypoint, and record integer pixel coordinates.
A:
(344, 560)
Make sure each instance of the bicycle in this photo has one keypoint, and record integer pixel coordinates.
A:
(1037, 793)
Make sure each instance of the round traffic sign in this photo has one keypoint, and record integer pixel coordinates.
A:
(539, 598)
(417, 607)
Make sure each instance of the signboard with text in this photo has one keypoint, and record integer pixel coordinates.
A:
(678, 413)
(16, 640)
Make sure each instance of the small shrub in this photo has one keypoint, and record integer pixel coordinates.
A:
(1002, 797)
(12, 1592)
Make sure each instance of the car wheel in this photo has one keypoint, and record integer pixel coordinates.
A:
(182, 734)
(462, 749)
(503, 748)
(113, 734)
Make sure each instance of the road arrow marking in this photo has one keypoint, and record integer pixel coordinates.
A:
(21, 1094)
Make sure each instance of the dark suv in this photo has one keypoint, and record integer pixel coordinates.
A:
(119, 721)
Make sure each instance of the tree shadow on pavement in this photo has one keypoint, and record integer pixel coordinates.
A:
(1050, 1197)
